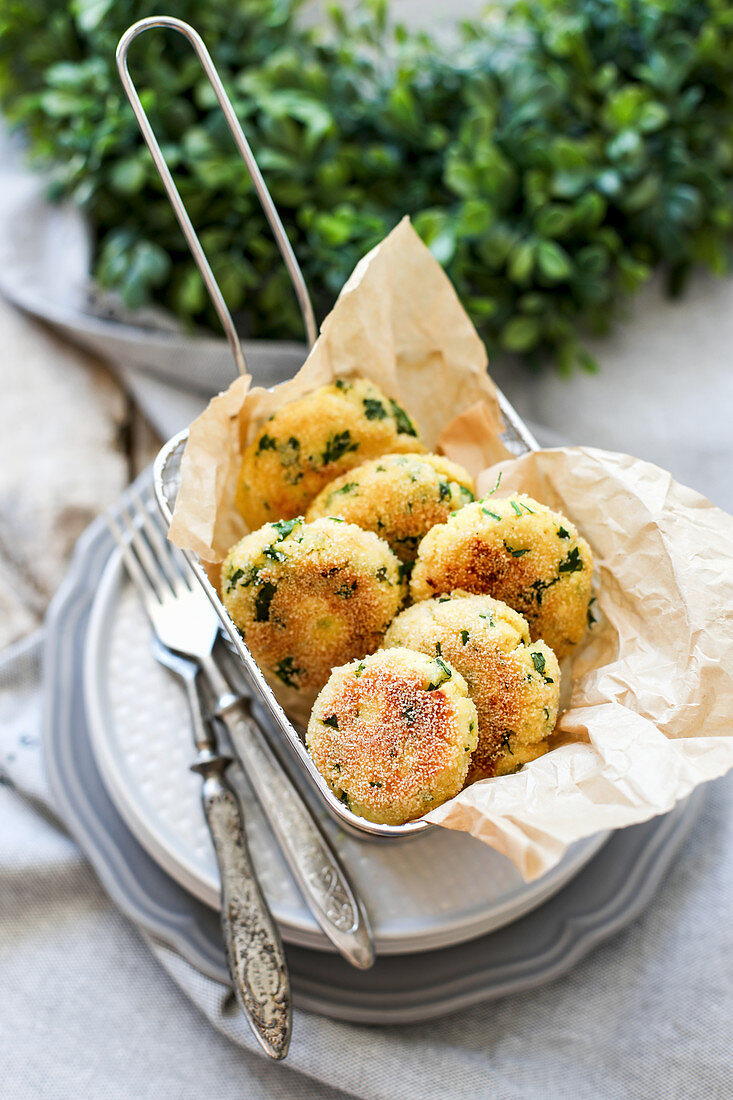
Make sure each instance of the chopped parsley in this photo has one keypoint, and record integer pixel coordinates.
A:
(234, 579)
(466, 493)
(346, 591)
(498, 483)
(285, 526)
(562, 533)
(263, 599)
(539, 586)
(375, 783)
(444, 674)
(402, 420)
(359, 668)
(337, 445)
(273, 554)
(445, 493)
(374, 409)
(505, 741)
(290, 451)
(266, 443)
(539, 663)
(589, 613)
(438, 650)
(347, 488)
(464, 636)
(572, 563)
(331, 721)
(341, 385)
(486, 615)
(288, 671)
(515, 553)
(381, 575)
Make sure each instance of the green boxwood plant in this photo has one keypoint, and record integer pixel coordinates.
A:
(561, 154)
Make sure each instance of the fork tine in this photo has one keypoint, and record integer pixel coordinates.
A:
(141, 547)
(132, 563)
(162, 549)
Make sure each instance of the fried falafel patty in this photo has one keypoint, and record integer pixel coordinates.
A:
(514, 683)
(399, 497)
(518, 551)
(392, 734)
(307, 596)
(309, 442)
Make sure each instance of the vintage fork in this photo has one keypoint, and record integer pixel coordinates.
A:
(190, 628)
(253, 947)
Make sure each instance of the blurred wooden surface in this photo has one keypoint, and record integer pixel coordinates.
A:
(70, 440)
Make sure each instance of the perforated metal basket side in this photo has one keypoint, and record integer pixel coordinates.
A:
(166, 473)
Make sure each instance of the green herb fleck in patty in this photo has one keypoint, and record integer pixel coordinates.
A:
(263, 599)
(402, 420)
(338, 444)
(288, 671)
(374, 409)
(539, 662)
(515, 553)
(572, 563)
(444, 673)
(266, 443)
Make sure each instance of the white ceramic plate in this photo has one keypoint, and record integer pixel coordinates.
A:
(421, 893)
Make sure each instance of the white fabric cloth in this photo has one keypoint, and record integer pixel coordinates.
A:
(90, 1008)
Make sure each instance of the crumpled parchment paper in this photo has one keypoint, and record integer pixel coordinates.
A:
(650, 714)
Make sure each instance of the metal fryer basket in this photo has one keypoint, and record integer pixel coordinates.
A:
(517, 438)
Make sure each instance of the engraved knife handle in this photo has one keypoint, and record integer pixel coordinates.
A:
(253, 947)
(315, 866)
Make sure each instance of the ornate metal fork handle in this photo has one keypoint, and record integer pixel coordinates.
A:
(253, 947)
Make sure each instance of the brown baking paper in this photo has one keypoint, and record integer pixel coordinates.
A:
(650, 693)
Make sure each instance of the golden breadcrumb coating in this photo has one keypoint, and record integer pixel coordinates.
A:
(518, 551)
(399, 497)
(514, 683)
(392, 734)
(308, 596)
(309, 442)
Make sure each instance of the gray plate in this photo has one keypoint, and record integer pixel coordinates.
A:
(605, 896)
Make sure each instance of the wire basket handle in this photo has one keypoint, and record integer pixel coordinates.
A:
(268, 206)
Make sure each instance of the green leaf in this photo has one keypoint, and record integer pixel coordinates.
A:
(521, 262)
(128, 176)
(520, 334)
(90, 13)
(553, 261)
